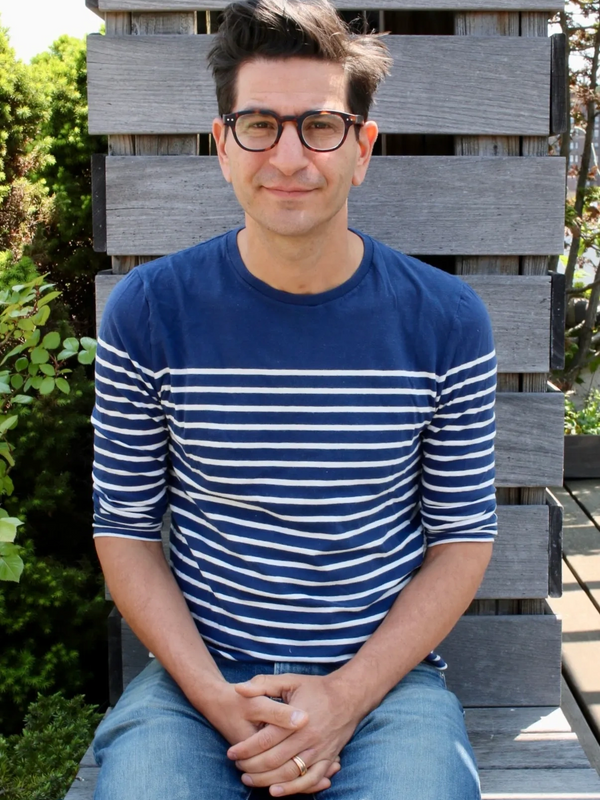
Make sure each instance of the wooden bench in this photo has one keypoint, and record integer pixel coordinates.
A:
(476, 89)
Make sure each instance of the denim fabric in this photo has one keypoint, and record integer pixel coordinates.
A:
(155, 746)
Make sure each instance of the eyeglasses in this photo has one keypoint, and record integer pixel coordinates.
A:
(260, 129)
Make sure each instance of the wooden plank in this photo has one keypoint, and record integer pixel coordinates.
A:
(84, 784)
(555, 540)
(424, 5)
(447, 206)
(542, 719)
(504, 660)
(518, 307)
(439, 84)
(578, 723)
(581, 646)
(529, 448)
(537, 784)
(519, 565)
(559, 92)
(528, 751)
(587, 494)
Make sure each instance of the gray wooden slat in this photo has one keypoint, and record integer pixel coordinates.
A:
(84, 784)
(424, 5)
(439, 84)
(519, 565)
(529, 448)
(519, 308)
(504, 660)
(543, 719)
(528, 751)
(434, 205)
(538, 784)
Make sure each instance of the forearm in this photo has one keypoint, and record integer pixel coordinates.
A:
(422, 615)
(148, 597)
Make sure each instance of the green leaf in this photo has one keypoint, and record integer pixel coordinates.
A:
(71, 344)
(33, 369)
(8, 529)
(41, 317)
(64, 354)
(86, 357)
(21, 364)
(7, 423)
(48, 298)
(9, 486)
(23, 399)
(26, 324)
(33, 338)
(11, 564)
(4, 388)
(17, 381)
(47, 386)
(48, 369)
(18, 349)
(3, 513)
(39, 355)
(51, 340)
(37, 381)
(88, 343)
(63, 385)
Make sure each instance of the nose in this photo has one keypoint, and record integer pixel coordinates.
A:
(289, 155)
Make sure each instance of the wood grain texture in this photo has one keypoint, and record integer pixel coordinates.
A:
(519, 565)
(555, 544)
(518, 307)
(439, 84)
(504, 660)
(447, 205)
(537, 784)
(529, 448)
(424, 5)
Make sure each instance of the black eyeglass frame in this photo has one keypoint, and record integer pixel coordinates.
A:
(350, 120)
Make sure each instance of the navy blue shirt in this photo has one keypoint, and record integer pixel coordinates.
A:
(311, 447)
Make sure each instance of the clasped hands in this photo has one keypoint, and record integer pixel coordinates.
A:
(314, 722)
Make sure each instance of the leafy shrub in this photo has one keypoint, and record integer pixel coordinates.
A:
(41, 762)
(587, 419)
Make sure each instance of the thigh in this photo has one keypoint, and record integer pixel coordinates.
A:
(414, 746)
(154, 745)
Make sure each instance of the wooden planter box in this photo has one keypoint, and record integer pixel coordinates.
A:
(582, 456)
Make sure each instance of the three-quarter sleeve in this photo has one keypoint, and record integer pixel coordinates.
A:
(458, 500)
(130, 430)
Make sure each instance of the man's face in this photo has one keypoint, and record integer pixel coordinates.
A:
(290, 190)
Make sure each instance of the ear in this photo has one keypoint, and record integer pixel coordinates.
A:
(367, 137)
(219, 132)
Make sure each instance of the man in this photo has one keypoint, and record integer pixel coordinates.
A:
(317, 410)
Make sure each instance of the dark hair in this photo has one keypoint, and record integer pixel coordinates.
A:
(253, 29)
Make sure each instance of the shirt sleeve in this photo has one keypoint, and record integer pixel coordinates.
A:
(458, 500)
(130, 430)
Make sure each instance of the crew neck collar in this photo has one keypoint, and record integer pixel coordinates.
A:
(291, 297)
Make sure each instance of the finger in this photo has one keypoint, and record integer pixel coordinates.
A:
(259, 742)
(334, 768)
(268, 685)
(315, 777)
(272, 759)
(270, 712)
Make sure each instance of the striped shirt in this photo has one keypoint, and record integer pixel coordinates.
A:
(311, 447)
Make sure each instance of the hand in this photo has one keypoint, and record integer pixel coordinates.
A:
(266, 759)
(238, 718)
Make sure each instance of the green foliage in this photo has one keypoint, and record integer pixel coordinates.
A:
(587, 419)
(41, 763)
(50, 626)
(28, 364)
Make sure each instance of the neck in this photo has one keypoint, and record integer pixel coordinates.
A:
(301, 264)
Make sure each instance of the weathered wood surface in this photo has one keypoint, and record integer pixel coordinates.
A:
(439, 85)
(537, 784)
(555, 544)
(424, 5)
(581, 543)
(519, 565)
(434, 205)
(519, 309)
(494, 661)
(587, 494)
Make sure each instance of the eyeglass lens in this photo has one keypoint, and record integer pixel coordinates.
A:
(320, 131)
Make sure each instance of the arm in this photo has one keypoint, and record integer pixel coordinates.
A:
(148, 597)
(130, 497)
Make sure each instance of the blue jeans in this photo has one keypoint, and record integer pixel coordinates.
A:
(154, 745)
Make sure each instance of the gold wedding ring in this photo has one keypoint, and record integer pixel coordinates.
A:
(301, 765)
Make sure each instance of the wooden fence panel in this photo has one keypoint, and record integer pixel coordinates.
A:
(416, 5)
(434, 205)
(439, 84)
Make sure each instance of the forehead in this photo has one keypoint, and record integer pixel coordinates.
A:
(291, 85)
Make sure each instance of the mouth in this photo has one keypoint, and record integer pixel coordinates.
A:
(288, 193)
